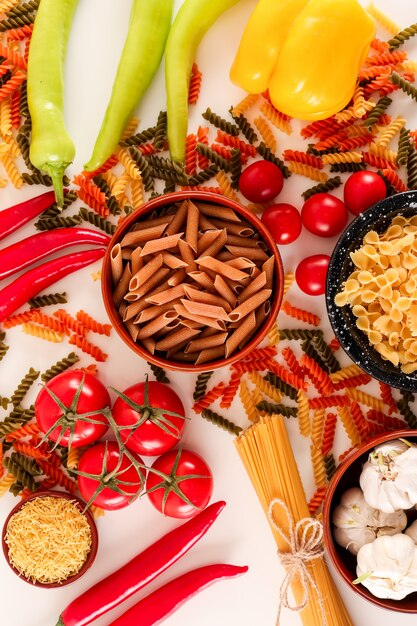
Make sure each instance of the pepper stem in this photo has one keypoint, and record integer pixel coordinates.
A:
(60, 622)
(56, 172)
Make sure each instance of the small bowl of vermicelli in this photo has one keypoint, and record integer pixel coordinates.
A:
(371, 291)
(192, 281)
(49, 540)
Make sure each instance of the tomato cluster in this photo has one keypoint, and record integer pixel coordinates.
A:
(74, 410)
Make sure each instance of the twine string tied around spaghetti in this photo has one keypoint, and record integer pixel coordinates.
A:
(305, 543)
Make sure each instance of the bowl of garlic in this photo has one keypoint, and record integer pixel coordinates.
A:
(370, 521)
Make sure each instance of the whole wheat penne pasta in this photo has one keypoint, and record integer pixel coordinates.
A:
(172, 261)
(174, 339)
(182, 357)
(206, 321)
(268, 268)
(193, 324)
(202, 296)
(260, 316)
(254, 254)
(206, 239)
(214, 248)
(205, 224)
(237, 240)
(225, 291)
(225, 255)
(211, 354)
(133, 329)
(145, 288)
(135, 237)
(205, 310)
(191, 231)
(116, 263)
(139, 305)
(176, 350)
(240, 333)
(241, 263)
(170, 326)
(122, 286)
(149, 344)
(153, 311)
(127, 254)
(157, 324)
(203, 279)
(235, 229)
(206, 342)
(136, 260)
(219, 212)
(208, 332)
(237, 287)
(159, 245)
(122, 308)
(250, 304)
(145, 272)
(178, 277)
(155, 221)
(178, 219)
(163, 297)
(254, 272)
(187, 255)
(221, 268)
(254, 286)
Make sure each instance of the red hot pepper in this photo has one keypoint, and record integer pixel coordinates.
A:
(23, 253)
(32, 282)
(15, 216)
(140, 571)
(155, 607)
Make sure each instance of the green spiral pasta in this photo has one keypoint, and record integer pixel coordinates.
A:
(54, 209)
(201, 385)
(221, 421)
(140, 137)
(144, 167)
(402, 36)
(17, 21)
(286, 389)
(235, 168)
(97, 220)
(20, 474)
(15, 415)
(41, 179)
(8, 427)
(312, 150)
(159, 373)
(170, 186)
(213, 156)
(404, 144)
(404, 408)
(412, 168)
(23, 387)
(170, 175)
(312, 352)
(380, 108)
(268, 155)
(164, 163)
(25, 7)
(204, 175)
(60, 366)
(28, 465)
(24, 147)
(348, 167)
(331, 183)
(5, 78)
(391, 191)
(111, 201)
(160, 131)
(3, 350)
(327, 354)
(220, 122)
(58, 222)
(4, 402)
(329, 465)
(282, 409)
(47, 300)
(404, 84)
(299, 333)
(245, 128)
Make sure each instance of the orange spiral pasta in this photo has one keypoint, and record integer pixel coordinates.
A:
(91, 369)
(355, 142)
(260, 353)
(74, 455)
(381, 46)
(328, 401)
(319, 470)
(308, 171)
(29, 450)
(314, 128)
(15, 109)
(12, 84)
(349, 425)
(207, 189)
(17, 34)
(248, 402)
(100, 208)
(318, 377)
(87, 347)
(1, 460)
(231, 390)
(393, 178)
(354, 381)
(387, 58)
(273, 335)
(23, 431)
(378, 162)
(112, 161)
(317, 500)
(257, 365)
(346, 453)
(43, 333)
(265, 387)
(300, 314)
(303, 413)
(235, 142)
(365, 398)
(211, 396)
(334, 345)
(303, 157)
(245, 104)
(329, 431)
(89, 323)
(17, 319)
(5, 483)
(360, 421)
(373, 71)
(266, 133)
(70, 323)
(57, 475)
(225, 186)
(346, 372)
(48, 322)
(194, 89)
(278, 119)
(191, 154)
(13, 56)
(317, 427)
(202, 137)
(225, 152)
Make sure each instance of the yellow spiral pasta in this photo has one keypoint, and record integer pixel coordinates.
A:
(319, 470)
(111, 179)
(96, 511)
(136, 186)
(360, 105)
(5, 5)
(13, 146)
(273, 335)
(225, 185)
(128, 163)
(408, 66)
(390, 132)
(271, 114)
(42, 333)
(265, 387)
(247, 400)
(245, 104)
(303, 414)
(130, 128)
(385, 21)
(346, 372)
(383, 152)
(289, 278)
(74, 455)
(366, 398)
(317, 427)
(5, 483)
(5, 118)
(308, 170)
(266, 132)
(342, 157)
(11, 170)
(119, 188)
(349, 425)
(346, 115)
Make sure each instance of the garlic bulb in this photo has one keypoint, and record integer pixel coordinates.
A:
(388, 478)
(388, 567)
(412, 531)
(356, 523)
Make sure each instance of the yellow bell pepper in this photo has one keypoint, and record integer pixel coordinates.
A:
(262, 41)
(317, 68)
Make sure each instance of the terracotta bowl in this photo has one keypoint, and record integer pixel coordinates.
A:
(347, 476)
(354, 341)
(159, 203)
(94, 538)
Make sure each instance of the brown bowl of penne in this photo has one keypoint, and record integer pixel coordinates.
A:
(192, 281)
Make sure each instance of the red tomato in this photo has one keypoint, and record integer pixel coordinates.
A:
(261, 181)
(324, 215)
(311, 274)
(99, 464)
(197, 489)
(283, 222)
(151, 437)
(94, 397)
(362, 190)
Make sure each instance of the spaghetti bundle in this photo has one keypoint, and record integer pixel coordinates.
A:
(266, 453)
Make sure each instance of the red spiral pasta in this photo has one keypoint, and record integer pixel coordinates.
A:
(91, 369)
(202, 137)
(112, 161)
(191, 154)
(378, 162)
(12, 84)
(48, 322)
(194, 89)
(387, 398)
(15, 108)
(83, 344)
(394, 179)
(148, 148)
(293, 362)
(334, 345)
(209, 398)
(286, 375)
(328, 401)
(354, 381)
(346, 453)
(19, 318)
(17, 34)
(90, 188)
(355, 142)
(202, 188)
(231, 390)
(315, 127)
(14, 57)
(303, 157)
(57, 475)
(235, 142)
(30, 450)
(318, 377)
(23, 431)
(317, 500)
(329, 431)
(387, 421)
(97, 206)
(260, 353)
(360, 421)
(300, 314)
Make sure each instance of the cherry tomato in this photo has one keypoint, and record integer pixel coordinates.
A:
(99, 461)
(93, 397)
(324, 215)
(261, 181)
(196, 489)
(283, 222)
(158, 431)
(311, 274)
(362, 190)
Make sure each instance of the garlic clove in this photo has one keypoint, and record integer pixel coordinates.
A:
(411, 531)
(353, 538)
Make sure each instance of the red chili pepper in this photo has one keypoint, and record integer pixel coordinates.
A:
(32, 282)
(140, 571)
(153, 609)
(23, 253)
(14, 217)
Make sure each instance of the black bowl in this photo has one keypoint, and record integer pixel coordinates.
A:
(354, 341)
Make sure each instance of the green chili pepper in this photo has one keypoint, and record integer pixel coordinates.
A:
(150, 21)
(192, 21)
(51, 149)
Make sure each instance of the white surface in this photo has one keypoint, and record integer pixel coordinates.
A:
(241, 534)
